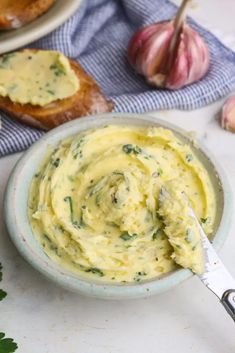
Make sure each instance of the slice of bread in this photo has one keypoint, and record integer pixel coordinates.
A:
(88, 100)
(16, 13)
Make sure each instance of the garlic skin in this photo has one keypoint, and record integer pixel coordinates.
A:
(150, 54)
(228, 115)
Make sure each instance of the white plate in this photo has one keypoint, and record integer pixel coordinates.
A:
(53, 18)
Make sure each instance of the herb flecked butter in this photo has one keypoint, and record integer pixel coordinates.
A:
(93, 204)
(37, 77)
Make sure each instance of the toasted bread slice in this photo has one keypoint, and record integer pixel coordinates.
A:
(16, 13)
(87, 100)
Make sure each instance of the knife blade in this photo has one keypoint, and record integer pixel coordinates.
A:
(216, 277)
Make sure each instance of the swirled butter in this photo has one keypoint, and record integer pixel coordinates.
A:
(181, 228)
(38, 77)
(93, 204)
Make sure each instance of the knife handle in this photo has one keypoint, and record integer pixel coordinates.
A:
(228, 301)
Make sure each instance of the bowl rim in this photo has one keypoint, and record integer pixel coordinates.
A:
(99, 289)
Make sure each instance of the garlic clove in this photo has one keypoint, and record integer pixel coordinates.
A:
(198, 54)
(153, 54)
(178, 74)
(191, 62)
(228, 115)
(148, 48)
(137, 41)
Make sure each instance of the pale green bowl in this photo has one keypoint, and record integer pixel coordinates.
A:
(15, 208)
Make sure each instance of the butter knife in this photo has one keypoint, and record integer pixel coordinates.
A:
(216, 277)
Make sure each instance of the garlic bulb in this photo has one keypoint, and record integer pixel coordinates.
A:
(228, 115)
(169, 54)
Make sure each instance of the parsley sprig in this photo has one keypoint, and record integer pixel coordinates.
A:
(3, 294)
(7, 345)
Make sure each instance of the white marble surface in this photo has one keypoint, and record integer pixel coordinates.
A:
(46, 319)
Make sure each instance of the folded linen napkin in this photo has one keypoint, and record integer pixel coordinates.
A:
(97, 36)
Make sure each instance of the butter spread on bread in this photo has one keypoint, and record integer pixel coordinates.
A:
(87, 100)
(38, 77)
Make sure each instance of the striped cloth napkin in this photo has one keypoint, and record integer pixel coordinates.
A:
(97, 36)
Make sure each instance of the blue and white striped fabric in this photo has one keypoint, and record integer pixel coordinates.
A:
(97, 35)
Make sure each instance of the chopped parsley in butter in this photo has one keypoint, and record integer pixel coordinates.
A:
(36, 77)
(94, 202)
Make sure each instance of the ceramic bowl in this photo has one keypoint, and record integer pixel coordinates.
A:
(15, 208)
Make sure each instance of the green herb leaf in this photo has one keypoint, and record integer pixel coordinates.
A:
(116, 172)
(5, 60)
(126, 236)
(51, 92)
(78, 151)
(3, 294)
(7, 345)
(112, 224)
(47, 238)
(97, 200)
(204, 220)
(58, 69)
(160, 171)
(129, 148)
(60, 228)
(82, 223)
(95, 271)
(80, 142)
(189, 158)
(98, 186)
(70, 202)
(56, 162)
(137, 150)
(76, 224)
(156, 234)
(141, 273)
(70, 178)
(114, 198)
